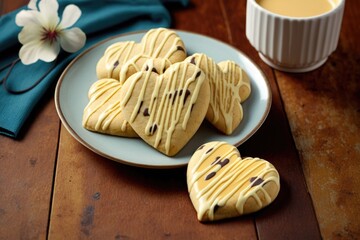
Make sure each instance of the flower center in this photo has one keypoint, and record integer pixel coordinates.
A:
(50, 35)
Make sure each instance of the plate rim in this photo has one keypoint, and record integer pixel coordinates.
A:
(75, 135)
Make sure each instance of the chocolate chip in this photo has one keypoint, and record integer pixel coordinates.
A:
(147, 67)
(141, 103)
(146, 112)
(216, 159)
(153, 129)
(256, 181)
(223, 162)
(187, 93)
(175, 94)
(180, 48)
(116, 64)
(198, 74)
(209, 150)
(201, 147)
(154, 70)
(193, 60)
(210, 175)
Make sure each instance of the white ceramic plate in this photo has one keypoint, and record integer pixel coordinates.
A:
(71, 98)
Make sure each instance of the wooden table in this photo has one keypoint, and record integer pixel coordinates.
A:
(53, 187)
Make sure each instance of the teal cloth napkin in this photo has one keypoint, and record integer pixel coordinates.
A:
(99, 20)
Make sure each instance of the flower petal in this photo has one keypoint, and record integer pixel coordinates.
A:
(44, 50)
(71, 40)
(49, 13)
(32, 5)
(70, 15)
(49, 51)
(50, 6)
(29, 52)
(25, 17)
(30, 32)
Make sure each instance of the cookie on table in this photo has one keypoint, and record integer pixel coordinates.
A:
(229, 87)
(166, 110)
(123, 59)
(221, 184)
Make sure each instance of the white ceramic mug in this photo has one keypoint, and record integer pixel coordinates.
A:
(293, 44)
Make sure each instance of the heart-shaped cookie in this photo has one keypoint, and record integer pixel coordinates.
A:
(166, 110)
(222, 185)
(229, 87)
(123, 59)
(103, 112)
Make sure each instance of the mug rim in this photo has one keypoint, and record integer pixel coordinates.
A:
(335, 9)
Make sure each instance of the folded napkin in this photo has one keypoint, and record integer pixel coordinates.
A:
(99, 20)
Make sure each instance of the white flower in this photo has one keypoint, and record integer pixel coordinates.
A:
(43, 33)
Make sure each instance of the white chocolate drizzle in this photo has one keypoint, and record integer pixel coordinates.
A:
(166, 106)
(225, 87)
(98, 89)
(231, 179)
(125, 54)
(114, 53)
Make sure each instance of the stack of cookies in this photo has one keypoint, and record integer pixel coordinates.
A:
(155, 91)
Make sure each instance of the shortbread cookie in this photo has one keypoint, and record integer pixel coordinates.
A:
(103, 113)
(123, 59)
(222, 185)
(166, 110)
(229, 87)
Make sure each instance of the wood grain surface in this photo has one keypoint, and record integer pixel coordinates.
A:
(27, 168)
(323, 108)
(51, 187)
